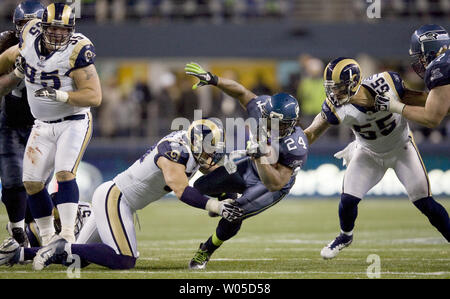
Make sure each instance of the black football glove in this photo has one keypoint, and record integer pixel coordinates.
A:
(230, 210)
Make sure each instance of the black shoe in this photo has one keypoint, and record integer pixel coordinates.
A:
(19, 235)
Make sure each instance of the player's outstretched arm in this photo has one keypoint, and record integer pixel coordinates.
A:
(8, 58)
(317, 128)
(8, 82)
(437, 106)
(230, 87)
(414, 97)
(273, 176)
(175, 177)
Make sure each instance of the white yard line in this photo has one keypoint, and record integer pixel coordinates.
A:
(229, 272)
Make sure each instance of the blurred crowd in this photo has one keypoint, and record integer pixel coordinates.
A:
(148, 108)
(219, 11)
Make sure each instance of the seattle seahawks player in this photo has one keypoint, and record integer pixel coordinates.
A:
(15, 127)
(430, 49)
(109, 237)
(267, 176)
(62, 84)
(382, 141)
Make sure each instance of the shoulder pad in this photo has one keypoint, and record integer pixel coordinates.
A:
(329, 113)
(172, 151)
(26, 30)
(438, 72)
(83, 53)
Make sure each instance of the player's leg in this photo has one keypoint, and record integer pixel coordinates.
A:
(412, 174)
(37, 166)
(253, 201)
(114, 222)
(14, 195)
(220, 181)
(362, 174)
(74, 136)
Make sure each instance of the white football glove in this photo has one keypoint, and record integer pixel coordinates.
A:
(384, 103)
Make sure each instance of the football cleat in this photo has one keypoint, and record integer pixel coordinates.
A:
(200, 259)
(333, 248)
(53, 253)
(18, 233)
(9, 252)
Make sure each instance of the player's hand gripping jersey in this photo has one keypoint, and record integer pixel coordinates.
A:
(52, 70)
(379, 131)
(143, 182)
(292, 149)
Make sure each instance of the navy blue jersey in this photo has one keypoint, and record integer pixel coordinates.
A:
(438, 72)
(292, 149)
(15, 109)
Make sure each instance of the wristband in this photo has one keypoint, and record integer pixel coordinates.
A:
(396, 107)
(194, 198)
(62, 96)
(19, 74)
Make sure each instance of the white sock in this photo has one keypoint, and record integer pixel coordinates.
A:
(45, 225)
(350, 233)
(22, 255)
(46, 228)
(68, 215)
(20, 224)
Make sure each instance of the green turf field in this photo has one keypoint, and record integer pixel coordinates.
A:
(283, 242)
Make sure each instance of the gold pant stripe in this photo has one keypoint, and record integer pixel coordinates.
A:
(421, 162)
(87, 138)
(115, 221)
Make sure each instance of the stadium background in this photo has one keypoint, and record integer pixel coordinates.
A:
(269, 46)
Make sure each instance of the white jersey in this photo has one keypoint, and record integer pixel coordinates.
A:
(378, 131)
(143, 183)
(52, 70)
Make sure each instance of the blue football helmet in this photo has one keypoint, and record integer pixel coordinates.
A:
(57, 15)
(207, 142)
(285, 109)
(341, 79)
(427, 43)
(26, 11)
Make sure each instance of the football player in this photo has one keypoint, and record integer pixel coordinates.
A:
(62, 84)
(109, 237)
(267, 176)
(20, 255)
(15, 127)
(382, 141)
(429, 48)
